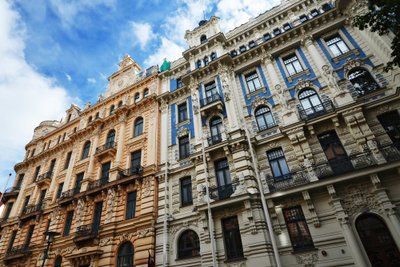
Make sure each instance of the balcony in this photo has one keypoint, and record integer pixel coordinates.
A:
(97, 184)
(68, 195)
(44, 178)
(316, 111)
(287, 181)
(214, 139)
(108, 149)
(133, 171)
(10, 193)
(221, 192)
(211, 103)
(16, 252)
(31, 211)
(85, 234)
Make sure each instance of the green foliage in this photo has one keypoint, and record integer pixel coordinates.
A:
(383, 16)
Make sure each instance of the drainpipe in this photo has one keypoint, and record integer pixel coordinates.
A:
(165, 222)
(209, 213)
(263, 202)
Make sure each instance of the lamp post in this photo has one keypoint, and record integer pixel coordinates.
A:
(50, 238)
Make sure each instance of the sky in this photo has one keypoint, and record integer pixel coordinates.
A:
(57, 52)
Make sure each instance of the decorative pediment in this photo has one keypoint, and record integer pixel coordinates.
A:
(183, 131)
(301, 84)
(352, 63)
(259, 101)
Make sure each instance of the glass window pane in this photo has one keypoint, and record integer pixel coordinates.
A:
(297, 66)
(290, 69)
(275, 168)
(343, 47)
(335, 50)
(284, 166)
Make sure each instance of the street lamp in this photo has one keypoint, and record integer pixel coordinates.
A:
(50, 238)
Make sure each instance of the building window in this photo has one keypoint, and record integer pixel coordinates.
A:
(8, 210)
(68, 222)
(211, 92)
(233, 53)
(205, 61)
(179, 83)
(98, 207)
(146, 92)
(110, 139)
(337, 45)
(326, 7)
(297, 228)
(59, 190)
(184, 147)
(136, 161)
(112, 109)
(267, 36)
(12, 239)
(311, 103)
(303, 18)
(242, 49)
(86, 150)
(90, 119)
(26, 201)
(186, 191)
(314, 13)
(67, 160)
(277, 162)
(58, 261)
(33, 151)
(78, 182)
(390, 121)
(182, 112)
(29, 236)
(64, 136)
(105, 172)
(125, 255)
(216, 130)
(253, 82)
(97, 115)
(52, 165)
(252, 44)
(213, 56)
(130, 205)
(277, 31)
(188, 245)
(287, 26)
(136, 98)
(264, 118)
(69, 117)
(138, 128)
(203, 39)
(292, 64)
(362, 81)
(37, 170)
(42, 196)
(224, 182)
(232, 238)
(198, 64)
(19, 181)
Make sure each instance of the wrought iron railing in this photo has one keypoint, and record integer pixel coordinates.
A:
(287, 181)
(70, 193)
(86, 230)
(391, 152)
(97, 183)
(135, 170)
(12, 189)
(221, 192)
(105, 147)
(214, 139)
(210, 99)
(17, 250)
(317, 110)
(31, 209)
(44, 176)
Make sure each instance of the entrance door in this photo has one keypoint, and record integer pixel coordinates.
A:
(377, 241)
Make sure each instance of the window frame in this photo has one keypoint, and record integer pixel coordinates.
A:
(329, 42)
(69, 217)
(247, 80)
(129, 256)
(130, 210)
(138, 131)
(183, 111)
(373, 80)
(300, 218)
(232, 236)
(308, 96)
(67, 160)
(288, 57)
(263, 115)
(277, 155)
(182, 245)
(86, 150)
(186, 190)
(184, 147)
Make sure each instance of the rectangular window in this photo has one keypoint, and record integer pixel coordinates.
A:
(19, 181)
(29, 236)
(68, 222)
(136, 159)
(225, 189)
(78, 182)
(182, 112)
(52, 165)
(8, 210)
(303, 18)
(292, 65)
(211, 91)
(37, 170)
(105, 172)
(184, 147)
(59, 190)
(26, 201)
(67, 160)
(97, 217)
(277, 162)
(130, 205)
(337, 45)
(232, 238)
(179, 83)
(42, 195)
(12, 239)
(186, 191)
(297, 228)
(253, 82)
(390, 121)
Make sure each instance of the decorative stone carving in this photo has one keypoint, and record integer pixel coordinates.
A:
(331, 80)
(67, 250)
(144, 232)
(126, 61)
(183, 131)
(307, 259)
(126, 236)
(240, 187)
(357, 198)
(281, 95)
(146, 190)
(105, 241)
(258, 101)
(352, 63)
(80, 209)
(111, 195)
(301, 84)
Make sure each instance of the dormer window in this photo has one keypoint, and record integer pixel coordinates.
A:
(198, 64)
(213, 56)
(277, 31)
(205, 61)
(120, 104)
(137, 97)
(146, 92)
(233, 53)
(112, 109)
(287, 26)
(203, 39)
(242, 49)
(267, 36)
(326, 7)
(69, 118)
(252, 44)
(314, 13)
(303, 18)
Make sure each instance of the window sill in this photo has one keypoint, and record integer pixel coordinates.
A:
(256, 92)
(345, 55)
(189, 258)
(235, 259)
(187, 121)
(297, 75)
(303, 250)
(186, 205)
(134, 140)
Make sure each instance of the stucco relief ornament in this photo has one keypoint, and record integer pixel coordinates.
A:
(258, 101)
(87, 105)
(183, 132)
(146, 187)
(282, 98)
(79, 211)
(307, 259)
(330, 79)
(100, 98)
(352, 63)
(110, 204)
(195, 102)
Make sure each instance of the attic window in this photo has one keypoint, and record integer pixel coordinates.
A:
(242, 49)
(277, 31)
(267, 36)
(213, 55)
(205, 61)
(287, 26)
(233, 53)
(198, 64)
(69, 118)
(203, 39)
(314, 13)
(252, 44)
(303, 18)
(326, 7)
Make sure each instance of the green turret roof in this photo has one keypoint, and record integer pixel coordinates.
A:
(165, 66)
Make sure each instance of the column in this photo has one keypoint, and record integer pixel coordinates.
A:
(268, 61)
(121, 139)
(308, 43)
(226, 81)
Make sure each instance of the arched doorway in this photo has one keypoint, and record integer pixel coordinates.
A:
(377, 241)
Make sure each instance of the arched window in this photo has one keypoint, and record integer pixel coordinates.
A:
(146, 92)
(97, 115)
(188, 245)
(311, 103)
(264, 118)
(205, 61)
(216, 130)
(86, 149)
(120, 104)
(58, 261)
(213, 56)
(110, 138)
(203, 38)
(138, 128)
(90, 119)
(125, 255)
(362, 81)
(137, 97)
(112, 109)
(198, 64)
(377, 241)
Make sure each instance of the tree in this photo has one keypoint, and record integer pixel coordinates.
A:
(383, 16)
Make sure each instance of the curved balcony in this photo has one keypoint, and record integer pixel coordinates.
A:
(211, 103)
(85, 234)
(16, 252)
(10, 193)
(31, 211)
(44, 178)
(316, 111)
(108, 149)
(133, 171)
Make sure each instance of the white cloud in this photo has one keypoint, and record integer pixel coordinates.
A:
(26, 96)
(69, 78)
(167, 49)
(143, 33)
(91, 80)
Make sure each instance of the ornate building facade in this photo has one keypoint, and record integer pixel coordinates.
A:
(274, 144)
(90, 178)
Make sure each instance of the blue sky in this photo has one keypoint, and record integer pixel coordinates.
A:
(57, 52)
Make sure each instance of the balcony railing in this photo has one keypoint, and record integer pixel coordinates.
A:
(136, 170)
(86, 231)
(97, 183)
(31, 209)
(221, 192)
(44, 176)
(210, 99)
(214, 139)
(106, 146)
(9, 193)
(70, 193)
(266, 126)
(287, 181)
(317, 110)
(391, 152)
(17, 251)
